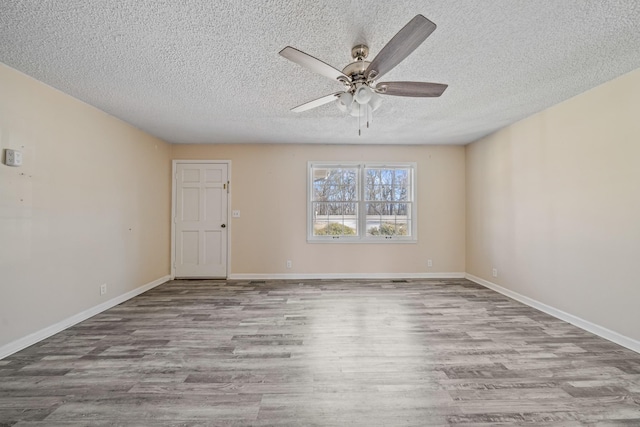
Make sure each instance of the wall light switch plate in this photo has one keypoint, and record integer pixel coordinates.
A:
(235, 214)
(12, 157)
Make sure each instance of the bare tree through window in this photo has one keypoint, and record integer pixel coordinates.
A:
(382, 195)
(335, 201)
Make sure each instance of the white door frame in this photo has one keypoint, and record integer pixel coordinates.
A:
(174, 165)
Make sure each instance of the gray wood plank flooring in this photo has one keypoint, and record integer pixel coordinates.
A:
(321, 353)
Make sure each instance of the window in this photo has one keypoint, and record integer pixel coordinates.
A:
(354, 202)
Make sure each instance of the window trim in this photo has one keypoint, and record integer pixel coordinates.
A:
(362, 218)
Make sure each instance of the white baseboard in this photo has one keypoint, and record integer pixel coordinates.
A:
(24, 342)
(601, 331)
(294, 276)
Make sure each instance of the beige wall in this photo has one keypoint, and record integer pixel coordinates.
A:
(269, 187)
(91, 205)
(553, 202)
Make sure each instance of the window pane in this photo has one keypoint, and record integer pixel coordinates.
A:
(401, 194)
(335, 219)
(373, 225)
(335, 184)
(318, 190)
(388, 219)
(373, 179)
(387, 184)
(402, 183)
(402, 177)
(386, 208)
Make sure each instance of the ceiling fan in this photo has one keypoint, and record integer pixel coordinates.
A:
(361, 95)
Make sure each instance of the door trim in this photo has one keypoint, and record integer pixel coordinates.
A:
(174, 166)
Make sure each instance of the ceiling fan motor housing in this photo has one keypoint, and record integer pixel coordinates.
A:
(356, 70)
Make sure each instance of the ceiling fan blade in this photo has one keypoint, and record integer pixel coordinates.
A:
(416, 89)
(316, 102)
(400, 46)
(312, 63)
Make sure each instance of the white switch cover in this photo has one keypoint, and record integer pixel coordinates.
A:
(235, 214)
(13, 157)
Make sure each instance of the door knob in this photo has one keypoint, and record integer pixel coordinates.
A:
(223, 225)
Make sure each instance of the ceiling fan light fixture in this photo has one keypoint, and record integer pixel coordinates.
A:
(363, 95)
(357, 110)
(345, 102)
(375, 102)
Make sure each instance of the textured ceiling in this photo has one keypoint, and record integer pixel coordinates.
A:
(208, 71)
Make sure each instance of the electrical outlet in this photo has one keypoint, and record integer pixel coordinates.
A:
(103, 289)
(12, 157)
(495, 272)
(429, 263)
(289, 263)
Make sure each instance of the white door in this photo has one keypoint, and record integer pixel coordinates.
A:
(201, 220)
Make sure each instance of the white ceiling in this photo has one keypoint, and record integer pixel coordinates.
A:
(208, 71)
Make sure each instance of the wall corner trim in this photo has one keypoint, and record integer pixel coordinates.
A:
(24, 342)
(601, 331)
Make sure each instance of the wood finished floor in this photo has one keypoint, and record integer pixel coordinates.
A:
(321, 353)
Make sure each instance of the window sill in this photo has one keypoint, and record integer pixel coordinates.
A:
(348, 240)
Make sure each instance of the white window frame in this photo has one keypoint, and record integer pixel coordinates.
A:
(362, 217)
